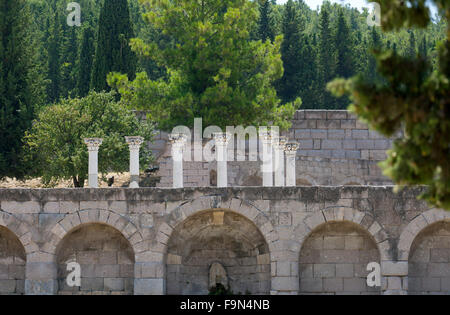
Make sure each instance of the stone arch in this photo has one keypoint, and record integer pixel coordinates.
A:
(425, 243)
(305, 180)
(255, 211)
(352, 181)
(340, 214)
(20, 229)
(336, 244)
(253, 180)
(415, 227)
(71, 221)
(12, 263)
(106, 258)
(215, 236)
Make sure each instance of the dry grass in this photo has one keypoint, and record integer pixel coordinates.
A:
(120, 180)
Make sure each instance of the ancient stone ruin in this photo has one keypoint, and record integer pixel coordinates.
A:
(318, 237)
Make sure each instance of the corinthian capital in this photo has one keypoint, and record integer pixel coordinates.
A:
(134, 142)
(93, 144)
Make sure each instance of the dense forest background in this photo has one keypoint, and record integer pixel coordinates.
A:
(317, 47)
(231, 62)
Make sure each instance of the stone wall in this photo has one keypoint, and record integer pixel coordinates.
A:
(335, 149)
(429, 261)
(261, 236)
(334, 260)
(12, 263)
(106, 259)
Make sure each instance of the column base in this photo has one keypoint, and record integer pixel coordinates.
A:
(93, 180)
(134, 181)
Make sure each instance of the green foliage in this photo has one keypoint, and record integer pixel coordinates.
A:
(220, 289)
(412, 98)
(327, 59)
(215, 70)
(69, 59)
(304, 75)
(54, 41)
(19, 84)
(113, 52)
(266, 21)
(55, 145)
(87, 53)
(298, 57)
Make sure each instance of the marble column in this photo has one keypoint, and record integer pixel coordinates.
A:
(221, 141)
(178, 141)
(290, 151)
(279, 161)
(267, 157)
(93, 145)
(134, 143)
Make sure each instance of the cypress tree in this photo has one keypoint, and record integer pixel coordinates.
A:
(54, 56)
(411, 50)
(298, 59)
(375, 44)
(17, 86)
(113, 52)
(68, 62)
(423, 48)
(327, 58)
(345, 65)
(266, 30)
(87, 52)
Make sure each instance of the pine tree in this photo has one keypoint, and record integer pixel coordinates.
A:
(87, 52)
(113, 53)
(17, 90)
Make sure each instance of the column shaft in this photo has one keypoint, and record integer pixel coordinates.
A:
(93, 145)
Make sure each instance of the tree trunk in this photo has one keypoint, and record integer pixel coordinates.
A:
(78, 182)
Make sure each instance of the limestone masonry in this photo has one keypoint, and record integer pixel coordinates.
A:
(335, 149)
(269, 240)
(316, 238)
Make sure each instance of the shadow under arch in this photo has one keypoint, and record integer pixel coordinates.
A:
(334, 257)
(12, 263)
(429, 258)
(217, 236)
(362, 222)
(105, 256)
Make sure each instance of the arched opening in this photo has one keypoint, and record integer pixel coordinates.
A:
(106, 259)
(213, 178)
(217, 245)
(429, 261)
(352, 184)
(12, 263)
(334, 259)
(252, 181)
(302, 182)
